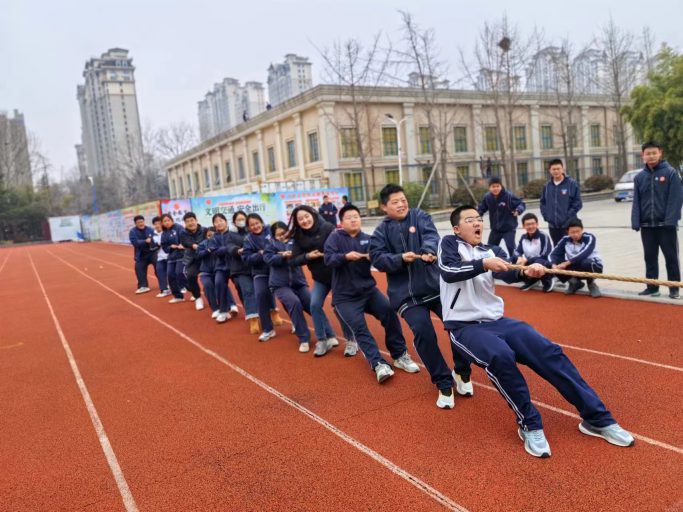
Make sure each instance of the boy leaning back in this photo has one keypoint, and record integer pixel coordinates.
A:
(473, 316)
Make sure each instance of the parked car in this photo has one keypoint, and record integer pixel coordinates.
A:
(623, 190)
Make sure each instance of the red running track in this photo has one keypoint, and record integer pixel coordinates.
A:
(201, 416)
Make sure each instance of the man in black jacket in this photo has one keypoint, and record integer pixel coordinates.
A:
(190, 238)
(656, 210)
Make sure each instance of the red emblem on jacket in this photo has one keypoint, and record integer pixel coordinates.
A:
(412, 229)
(662, 179)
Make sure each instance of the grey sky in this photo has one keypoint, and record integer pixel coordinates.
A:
(181, 48)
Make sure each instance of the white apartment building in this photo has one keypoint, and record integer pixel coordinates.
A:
(15, 163)
(227, 105)
(288, 79)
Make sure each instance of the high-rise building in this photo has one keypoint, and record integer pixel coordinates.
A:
(227, 105)
(15, 164)
(82, 161)
(110, 122)
(546, 71)
(288, 79)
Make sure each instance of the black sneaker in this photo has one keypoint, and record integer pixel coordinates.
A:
(649, 292)
(673, 294)
(594, 290)
(548, 285)
(574, 286)
(528, 285)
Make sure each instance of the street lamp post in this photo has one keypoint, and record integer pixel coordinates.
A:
(398, 138)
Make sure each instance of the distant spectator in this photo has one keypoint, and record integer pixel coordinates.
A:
(560, 200)
(656, 210)
(345, 201)
(268, 106)
(328, 211)
(245, 117)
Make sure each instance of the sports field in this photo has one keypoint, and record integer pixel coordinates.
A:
(113, 401)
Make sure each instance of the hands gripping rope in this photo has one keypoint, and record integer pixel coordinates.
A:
(609, 277)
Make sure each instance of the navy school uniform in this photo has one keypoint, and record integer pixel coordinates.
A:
(536, 249)
(144, 253)
(253, 245)
(207, 272)
(174, 267)
(288, 283)
(354, 293)
(240, 272)
(503, 222)
(583, 255)
(190, 260)
(560, 203)
(218, 247)
(473, 316)
(413, 288)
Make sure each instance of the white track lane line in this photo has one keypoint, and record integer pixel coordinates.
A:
(4, 262)
(436, 318)
(543, 405)
(124, 490)
(410, 478)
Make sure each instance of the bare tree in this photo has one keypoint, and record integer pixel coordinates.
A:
(175, 139)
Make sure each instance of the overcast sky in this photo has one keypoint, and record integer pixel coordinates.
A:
(181, 48)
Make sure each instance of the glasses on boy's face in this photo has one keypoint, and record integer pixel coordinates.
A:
(472, 220)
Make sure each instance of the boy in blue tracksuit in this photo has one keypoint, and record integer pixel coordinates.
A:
(577, 251)
(190, 236)
(656, 210)
(207, 271)
(503, 207)
(495, 343)
(218, 247)
(534, 247)
(404, 246)
(560, 200)
(288, 283)
(170, 242)
(354, 293)
(144, 251)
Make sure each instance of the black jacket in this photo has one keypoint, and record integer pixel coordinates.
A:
(310, 240)
(188, 239)
(657, 197)
(351, 280)
(235, 243)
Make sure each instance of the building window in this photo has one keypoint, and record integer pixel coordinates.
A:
(573, 168)
(217, 175)
(271, 158)
(391, 176)
(522, 173)
(181, 191)
(546, 136)
(460, 137)
(572, 136)
(349, 143)
(313, 150)
(354, 182)
(495, 169)
(389, 142)
(228, 172)
(173, 188)
(189, 184)
(240, 168)
(596, 165)
(595, 136)
(196, 186)
(519, 133)
(256, 162)
(433, 187)
(291, 154)
(491, 138)
(425, 141)
(615, 134)
(463, 172)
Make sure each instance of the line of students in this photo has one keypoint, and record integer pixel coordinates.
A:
(426, 275)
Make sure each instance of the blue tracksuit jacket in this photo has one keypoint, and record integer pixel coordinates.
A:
(171, 237)
(500, 210)
(537, 246)
(137, 238)
(560, 203)
(251, 255)
(207, 258)
(282, 272)
(575, 252)
(218, 246)
(657, 197)
(414, 283)
(351, 280)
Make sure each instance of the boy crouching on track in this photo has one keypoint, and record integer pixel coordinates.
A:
(577, 251)
(473, 316)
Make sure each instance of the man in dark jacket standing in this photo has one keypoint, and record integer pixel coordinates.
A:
(328, 211)
(503, 207)
(560, 201)
(145, 251)
(404, 246)
(190, 238)
(656, 210)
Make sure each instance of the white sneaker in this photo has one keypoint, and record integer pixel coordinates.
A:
(332, 342)
(163, 294)
(383, 372)
(445, 401)
(406, 364)
(304, 347)
(351, 349)
(234, 309)
(463, 388)
(199, 304)
(215, 314)
(293, 330)
(183, 290)
(176, 300)
(142, 289)
(222, 318)
(265, 336)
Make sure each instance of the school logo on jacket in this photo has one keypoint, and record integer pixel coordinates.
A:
(662, 179)
(412, 229)
(364, 242)
(564, 191)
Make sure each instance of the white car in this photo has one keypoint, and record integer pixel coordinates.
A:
(623, 190)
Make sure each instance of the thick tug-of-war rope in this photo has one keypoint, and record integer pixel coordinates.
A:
(609, 277)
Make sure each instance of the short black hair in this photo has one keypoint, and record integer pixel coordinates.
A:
(137, 218)
(575, 223)
(529, 216)
(156, 219)
(254, 216)
(211, 228)
(555, 161)
(651, 144)
(237, 214)
(345, 198)
(346, 208)
(455, 215)
(218, 216)
(389, 189)
(167, 215)
(189, 215)
(277, 225)
(495, 180)
(326, 196)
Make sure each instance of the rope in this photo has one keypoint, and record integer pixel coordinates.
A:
(610, 277)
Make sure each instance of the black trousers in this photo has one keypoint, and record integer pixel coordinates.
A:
(141, 264)
(556, 234)
(666, 239)
(192, 276)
